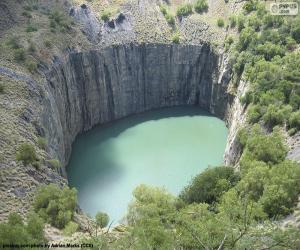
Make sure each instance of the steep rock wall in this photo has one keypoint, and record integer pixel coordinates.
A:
(103, 85)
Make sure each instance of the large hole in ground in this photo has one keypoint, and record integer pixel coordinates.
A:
(164, 148)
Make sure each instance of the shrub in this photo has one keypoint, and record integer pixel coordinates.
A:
(102, 219)
(294, 120)
(200, 6)
(268, 148)
(55, 205)
(48, 44)
(105, 15)
(282, 189)
(26, 153)
(184, 10)
(55, 163)
(26, 14)
(13, 43)
(1, 88)
(31, 48)
(70, 228)
(291, 44)
(58, 18)
(16, 232)
(31, 65)
(295, 29)
(170, 19)
(42, 142)
(276, 116)
(163, 9)
(31, 28)
(253, 113)
(240, 22)
(176, 38)
(19, 55)
(208, 186)
(232, 21)
(220, 22)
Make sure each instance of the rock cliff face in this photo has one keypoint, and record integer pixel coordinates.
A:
(103, 85)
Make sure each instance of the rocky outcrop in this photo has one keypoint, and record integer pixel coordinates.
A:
(104, 85)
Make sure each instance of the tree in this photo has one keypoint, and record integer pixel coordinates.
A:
(55, 205)
(210, 185)
(26, 153)
(102, 219)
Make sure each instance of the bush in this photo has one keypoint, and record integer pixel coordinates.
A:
(1, 88)
(13, 43)
(31, 65)
(282, 189)
(276, 116)
(19, 55)
(55, 163)
(55, 205)
(176, 38)
(268, 148)
(200, 6)
(208, 186)
(163, 9)
(184, 10)
(70, 228)
(48, 44)
(240, 22)
(220, 22)
(58, 18)
(294, 120)
(31, 28)
(26, 153)
(295, 29)
(102, 219)
(232, 21)
(170, 19)
(105, 15)
(42, 142)
(16, 232)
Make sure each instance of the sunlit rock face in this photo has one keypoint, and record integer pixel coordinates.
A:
(103, 85)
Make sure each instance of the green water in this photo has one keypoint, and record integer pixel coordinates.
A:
(165, 148)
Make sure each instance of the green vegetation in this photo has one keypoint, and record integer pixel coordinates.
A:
(232, 21)
(55, 163)
(102, 219)
(184, 10)
(19, 54)
(2, 88)
(31, 65)
(176, 38)
(105, 15)
(70, 228)
(56, 206)
(16, 232)
(201, 6)
(59, 20)
(220, 22)
(169, 17)
(26, 154)
(208, 186)
(42, 142)
(31, 28)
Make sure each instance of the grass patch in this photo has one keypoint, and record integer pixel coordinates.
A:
(220, 22)
(184, 10)
(105, 15)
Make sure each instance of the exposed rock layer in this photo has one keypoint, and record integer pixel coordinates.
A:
(100, 86)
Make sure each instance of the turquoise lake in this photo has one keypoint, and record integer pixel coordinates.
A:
(164, 148)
